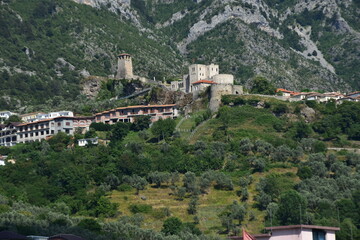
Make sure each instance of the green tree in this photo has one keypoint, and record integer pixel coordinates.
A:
(300, 130)
(90, 224)
(172, 226)
(13, 118)
(194, 202)
(292, 206)
(119, 131)
(163, 129)
(136, 182)
(141, 123)
(158, 177)
(238, 212)
(261, 85)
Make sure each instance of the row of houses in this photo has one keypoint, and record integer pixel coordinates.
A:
(319, 97)
(35, 116)
(43, 128)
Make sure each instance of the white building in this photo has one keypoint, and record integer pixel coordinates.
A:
(54, 115)
(39, 130)
(84, 142)
(8, 134)
(6, 114)
(199, 72)
(297, 232)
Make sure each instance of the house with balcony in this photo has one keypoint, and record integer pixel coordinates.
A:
(8, 134)
(129, 114)
(82, 123)
(39, 130)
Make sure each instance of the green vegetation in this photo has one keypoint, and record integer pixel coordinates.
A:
(56, 40)
(261, 85)
(254, 164)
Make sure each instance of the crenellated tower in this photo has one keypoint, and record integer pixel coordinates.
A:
(125, 68)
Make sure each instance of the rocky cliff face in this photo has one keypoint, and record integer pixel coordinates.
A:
(49, 46)
(296, 44)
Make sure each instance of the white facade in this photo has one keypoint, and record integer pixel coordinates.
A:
(37, 131)
(2, 163)
(8, 137)
(199, 72)
(303, 232)
(297, 232)
(84, 142)
(6, 114)
(55, 115)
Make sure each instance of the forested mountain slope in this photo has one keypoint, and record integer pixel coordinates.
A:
(296, 44)
(47, 46)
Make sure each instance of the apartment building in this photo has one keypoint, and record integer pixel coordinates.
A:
(82, 124)
(36, 131)
(8, 136)
(129, 114)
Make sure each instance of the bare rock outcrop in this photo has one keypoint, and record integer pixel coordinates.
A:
(91, 86)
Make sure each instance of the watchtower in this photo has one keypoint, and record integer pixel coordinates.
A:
(125, 68)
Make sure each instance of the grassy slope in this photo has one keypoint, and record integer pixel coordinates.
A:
(210, 205)
(246, 122)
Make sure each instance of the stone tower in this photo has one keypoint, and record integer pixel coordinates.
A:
(125, 68)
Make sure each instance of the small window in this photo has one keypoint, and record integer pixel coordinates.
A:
(59, 124)
(67, 123)
(52, 131)
(318, 234)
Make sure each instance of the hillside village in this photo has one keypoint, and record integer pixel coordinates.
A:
(37, 126)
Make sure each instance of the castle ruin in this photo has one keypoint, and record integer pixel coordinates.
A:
(125, 68)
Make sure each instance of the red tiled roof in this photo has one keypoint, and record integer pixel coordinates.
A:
(357, 92)
(204, 81)
(303, 226)
(283, 90)
(124, 54)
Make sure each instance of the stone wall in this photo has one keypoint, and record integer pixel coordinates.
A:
(223, 79)
(217, 91)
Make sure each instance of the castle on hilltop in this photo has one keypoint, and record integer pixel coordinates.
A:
(202, 77)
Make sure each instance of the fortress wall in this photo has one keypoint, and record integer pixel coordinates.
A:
(216, 92)
(223, 79)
